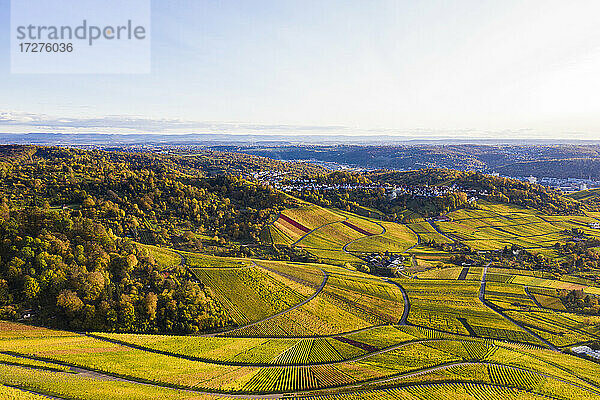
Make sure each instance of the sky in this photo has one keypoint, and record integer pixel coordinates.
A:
(463, 68)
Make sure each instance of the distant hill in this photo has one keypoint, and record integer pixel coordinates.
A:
(581, 168)
(499, 189)
(560, 161)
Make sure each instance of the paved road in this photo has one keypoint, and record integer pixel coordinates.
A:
(505, 316)
(537, 303)
(317, 228)
(107, 376)
(345, 248)
(466, 363)
(140, 381)
(418, 238)
(482, 286)
(435, 228)
(406, 302)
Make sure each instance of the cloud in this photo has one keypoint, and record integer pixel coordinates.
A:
(121, 124)
(22, 122)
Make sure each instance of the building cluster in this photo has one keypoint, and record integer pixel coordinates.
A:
(273, 178)
(568, 185)
(392, 262)
(422, 191)
(587, 351)
(310, 185)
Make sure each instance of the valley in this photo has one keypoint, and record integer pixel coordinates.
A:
(142, 277)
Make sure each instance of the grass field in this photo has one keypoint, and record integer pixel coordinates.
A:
(196, 260)
(164, 257)
(294, 223)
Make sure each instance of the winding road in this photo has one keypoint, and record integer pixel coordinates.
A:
(303, 302)
(403, 319)
(317, 228)
(96, 374)
(418, 238)
(503, 315)
(345, 248)
(435, 228)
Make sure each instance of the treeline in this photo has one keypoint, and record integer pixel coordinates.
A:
(61, 269)
(150, 198)
(70, 220)
(356, 198)
(579, 302)
(499, 189)
(212, 163)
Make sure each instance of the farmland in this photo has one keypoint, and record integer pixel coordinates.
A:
(248, 292)
(316, 328)
(494, 226)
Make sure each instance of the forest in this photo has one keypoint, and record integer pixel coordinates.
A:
(70, 221)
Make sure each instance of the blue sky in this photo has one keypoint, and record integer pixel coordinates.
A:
(477, 68)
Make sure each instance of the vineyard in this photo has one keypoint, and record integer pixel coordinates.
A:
(326, 330)
(247, 293)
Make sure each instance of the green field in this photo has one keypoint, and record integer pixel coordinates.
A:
(396, 239)
(505, 367)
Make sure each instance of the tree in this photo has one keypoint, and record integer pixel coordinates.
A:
(150, 305)
(69, 301)
(94, 285)
(31, 288)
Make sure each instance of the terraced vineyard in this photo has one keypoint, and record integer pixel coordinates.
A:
(247, 293)
(328, 331)
(494, 226)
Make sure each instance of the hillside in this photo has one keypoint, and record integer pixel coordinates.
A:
(145, 276)
(559, 161)
(591, 198)
(496, 188)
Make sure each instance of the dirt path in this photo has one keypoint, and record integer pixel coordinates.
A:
(47, 396)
